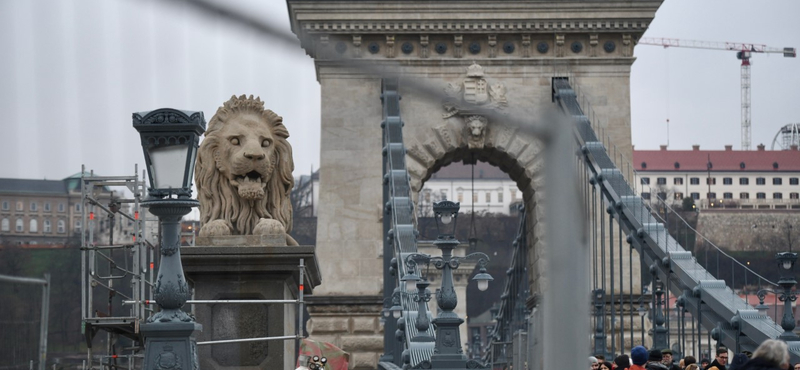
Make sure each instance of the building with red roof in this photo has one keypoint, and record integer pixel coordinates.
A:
(745, 179)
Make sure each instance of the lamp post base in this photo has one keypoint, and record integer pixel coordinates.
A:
(448, 354)
(170, 345)
(788, 337)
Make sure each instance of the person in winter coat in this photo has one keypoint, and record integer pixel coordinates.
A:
(771, 355)
(622, 362)
(593, 363)
(638, 358)
(667, 360)
(654, 361)
(720, 361)
(738, 360)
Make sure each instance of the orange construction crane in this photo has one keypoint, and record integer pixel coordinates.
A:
(743, 52)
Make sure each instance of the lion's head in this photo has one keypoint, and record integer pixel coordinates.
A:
(244, 167)
(476, 125)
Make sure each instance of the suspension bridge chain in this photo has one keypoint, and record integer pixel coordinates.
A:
(512, 314)
(729, 319)
(402, 235)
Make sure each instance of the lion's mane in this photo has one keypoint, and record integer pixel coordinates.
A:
(219, 200)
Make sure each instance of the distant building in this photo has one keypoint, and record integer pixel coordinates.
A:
(305, 195)
(744, 179)
(494, 192)
(50, 212)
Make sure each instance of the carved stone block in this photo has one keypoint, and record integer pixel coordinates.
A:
(458, 41)
(423, 43)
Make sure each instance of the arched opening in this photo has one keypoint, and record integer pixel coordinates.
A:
(513, 151)
(488, 222)
(514, 154)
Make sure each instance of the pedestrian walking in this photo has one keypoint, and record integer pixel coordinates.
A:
(688, 360)
(667, 360)
(738, 360)
(623, 362)
(720, 361)
(654, 359)
(638, 357)
(771, 355)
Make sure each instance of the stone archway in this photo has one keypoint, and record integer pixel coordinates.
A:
(513, 151)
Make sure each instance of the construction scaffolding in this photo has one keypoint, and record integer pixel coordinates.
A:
(122, 271)
(118, 270)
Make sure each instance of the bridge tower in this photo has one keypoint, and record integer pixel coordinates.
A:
(501, 55)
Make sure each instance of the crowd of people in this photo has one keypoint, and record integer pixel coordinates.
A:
(770, 355)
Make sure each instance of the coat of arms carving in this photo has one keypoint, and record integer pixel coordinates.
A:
(473, 92)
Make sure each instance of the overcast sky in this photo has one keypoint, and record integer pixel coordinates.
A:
(72, 71)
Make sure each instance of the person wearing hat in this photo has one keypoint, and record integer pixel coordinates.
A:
(666, 355)
(738, 360)
(704, 363)
(638, 358)
(622, 362)
(654, 358)
(688, 360)
(593, 363)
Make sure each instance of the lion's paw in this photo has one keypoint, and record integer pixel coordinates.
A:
(268, 226)
(215, 228)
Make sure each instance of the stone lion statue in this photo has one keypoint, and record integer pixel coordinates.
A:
(476, 129)
(244, 172)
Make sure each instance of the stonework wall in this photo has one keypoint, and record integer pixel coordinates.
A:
(349, 240)
(749, 230)
(353, 326)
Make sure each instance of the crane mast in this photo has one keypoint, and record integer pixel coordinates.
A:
(746, 128)
(743, 52)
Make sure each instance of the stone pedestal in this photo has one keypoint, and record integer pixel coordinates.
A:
(247, 268)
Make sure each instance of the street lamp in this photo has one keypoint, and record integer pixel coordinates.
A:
(659, 331)
(422, 323)
(448, 352)
(786, 262)
(476, 346)
(396, 310)
(170, 140)
(642, 313)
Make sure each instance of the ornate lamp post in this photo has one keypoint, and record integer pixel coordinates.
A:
(599, 298)
(448, 353)
(476, 346)
(786, 261)
(170, 140)
(642, 313)
(422, 323)
(659, 331)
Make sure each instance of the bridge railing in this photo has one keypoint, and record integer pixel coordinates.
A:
(657, 199)
(402, 232)
(649, 226)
